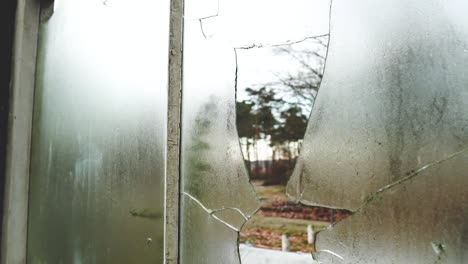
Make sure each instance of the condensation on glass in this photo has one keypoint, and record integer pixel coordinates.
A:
(388, 135)
(97, 172)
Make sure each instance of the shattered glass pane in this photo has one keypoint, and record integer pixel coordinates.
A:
(217, 198)
(97, 163)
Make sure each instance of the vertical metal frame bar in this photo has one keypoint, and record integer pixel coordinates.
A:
(173, 137)
(14, 237)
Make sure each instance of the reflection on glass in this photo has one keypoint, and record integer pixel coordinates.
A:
(97, 172)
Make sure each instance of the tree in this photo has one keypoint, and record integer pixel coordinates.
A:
(277, 111)
(295, 124)
(264, 101)
(304, 84)
(245, 121)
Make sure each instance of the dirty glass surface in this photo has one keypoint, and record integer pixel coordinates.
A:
(388, 134)
(97, 172)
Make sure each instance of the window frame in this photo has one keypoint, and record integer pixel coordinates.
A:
(29, 14)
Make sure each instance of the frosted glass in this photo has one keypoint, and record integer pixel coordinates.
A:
(97, 172)
(393, 98)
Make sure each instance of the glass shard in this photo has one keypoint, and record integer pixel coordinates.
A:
(393, 98)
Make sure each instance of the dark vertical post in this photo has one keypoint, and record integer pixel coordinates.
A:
(7, 22)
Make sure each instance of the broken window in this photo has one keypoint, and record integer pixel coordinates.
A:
(386, 138)
(227, 58)
(384, 119)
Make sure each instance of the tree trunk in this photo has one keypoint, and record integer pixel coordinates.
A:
(249, 164)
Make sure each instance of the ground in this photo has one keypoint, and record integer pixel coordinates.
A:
(278, 216)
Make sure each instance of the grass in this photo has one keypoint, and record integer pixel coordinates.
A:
(265, 231)
(283, 225)
(263, 191)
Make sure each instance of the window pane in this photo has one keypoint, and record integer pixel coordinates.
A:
(388, 134)
(97, 173)
(217, 198)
